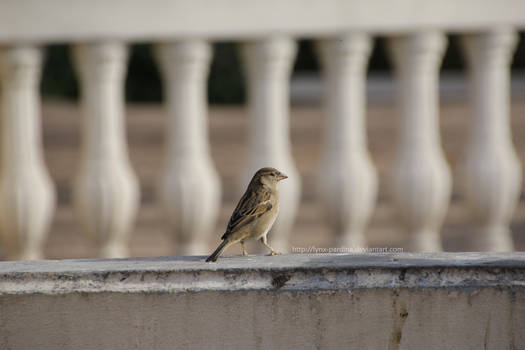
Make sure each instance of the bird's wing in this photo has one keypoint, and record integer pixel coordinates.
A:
(251, 206)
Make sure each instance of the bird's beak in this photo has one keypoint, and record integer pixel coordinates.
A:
(282, 176)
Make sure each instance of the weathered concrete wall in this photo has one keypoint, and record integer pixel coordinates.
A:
(375, 301)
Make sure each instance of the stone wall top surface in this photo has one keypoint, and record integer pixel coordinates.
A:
(283, 272)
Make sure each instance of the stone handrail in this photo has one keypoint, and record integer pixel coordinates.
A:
(154, 20)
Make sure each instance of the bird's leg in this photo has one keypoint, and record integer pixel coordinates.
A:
(244, 252)
(263, 241)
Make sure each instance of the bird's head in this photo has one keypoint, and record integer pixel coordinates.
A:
(269, 176)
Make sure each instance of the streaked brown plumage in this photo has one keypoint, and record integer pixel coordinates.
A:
(255, 214)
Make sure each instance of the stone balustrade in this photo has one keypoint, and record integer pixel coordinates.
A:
(106, 189)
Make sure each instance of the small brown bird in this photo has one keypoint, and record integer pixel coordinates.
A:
(255, 214)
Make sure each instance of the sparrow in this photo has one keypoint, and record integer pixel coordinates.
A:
(255, 214)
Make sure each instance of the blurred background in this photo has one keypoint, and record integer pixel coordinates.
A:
(228, 123)
(226, 80)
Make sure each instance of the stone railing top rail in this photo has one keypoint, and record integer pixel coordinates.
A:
(74, 20)
(286, 272)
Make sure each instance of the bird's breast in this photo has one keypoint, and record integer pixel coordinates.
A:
(265, 222)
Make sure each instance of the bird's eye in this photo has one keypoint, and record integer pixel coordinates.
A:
(273, 174)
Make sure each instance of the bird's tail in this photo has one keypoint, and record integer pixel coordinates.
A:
(218, 251)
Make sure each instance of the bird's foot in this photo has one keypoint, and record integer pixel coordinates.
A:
(273, 252)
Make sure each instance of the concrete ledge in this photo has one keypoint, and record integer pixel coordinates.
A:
(286, 272)
(365, 301)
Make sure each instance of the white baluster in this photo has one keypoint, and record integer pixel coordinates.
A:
(190, 187)
(27, 197)
(422, 181)
(347, 178)
(492, 169)
(268, 65)
(106, 192)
